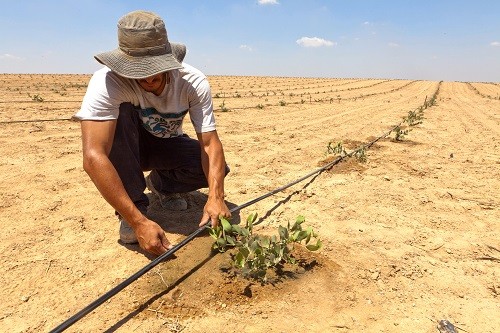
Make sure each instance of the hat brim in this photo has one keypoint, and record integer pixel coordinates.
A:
(142, 67)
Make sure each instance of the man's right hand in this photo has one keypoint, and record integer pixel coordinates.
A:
(97, 139)
(151, 237)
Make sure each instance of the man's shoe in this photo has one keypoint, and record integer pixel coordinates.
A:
(171, 201)
(127, 234)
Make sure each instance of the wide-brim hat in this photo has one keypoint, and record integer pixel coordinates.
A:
(143, 47)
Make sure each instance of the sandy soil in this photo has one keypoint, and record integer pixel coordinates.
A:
(411, 236)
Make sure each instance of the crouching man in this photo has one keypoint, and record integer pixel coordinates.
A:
(131, 121)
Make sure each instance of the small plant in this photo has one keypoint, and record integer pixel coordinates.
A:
(260, 106)
(223, 107)
(400, 133)
(256, 253)
(338, 149)
(36, 98)
(282, 103)
(415, 117)
(360, 155)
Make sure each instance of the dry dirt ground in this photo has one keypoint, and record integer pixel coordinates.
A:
(411, 236)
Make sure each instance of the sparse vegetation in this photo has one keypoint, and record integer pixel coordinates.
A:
(36, 98)
(223, 107)
(400, 133)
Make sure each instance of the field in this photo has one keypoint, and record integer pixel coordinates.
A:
(411, 236)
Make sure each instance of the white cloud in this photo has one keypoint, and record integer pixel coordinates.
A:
(7, 56)
(268, 2)
(366, 23)
(495, 43)
(314, 42)
(246, 47)
(392, 44)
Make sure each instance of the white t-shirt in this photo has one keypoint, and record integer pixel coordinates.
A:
(187, 91)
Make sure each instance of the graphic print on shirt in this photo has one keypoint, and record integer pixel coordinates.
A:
(163, 125)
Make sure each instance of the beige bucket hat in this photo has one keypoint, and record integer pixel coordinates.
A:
(143, 47)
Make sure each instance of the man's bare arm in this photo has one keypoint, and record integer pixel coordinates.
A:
(97, 139)
(214, 166)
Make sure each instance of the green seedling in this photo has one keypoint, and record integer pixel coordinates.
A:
(400, 133)
(223, 107)
(338, 149)
(256, 254)
(414, 117)
(360, 155)
(36, 98)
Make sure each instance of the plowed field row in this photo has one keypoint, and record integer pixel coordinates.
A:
(489, 90)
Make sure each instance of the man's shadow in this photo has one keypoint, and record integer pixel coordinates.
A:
(180, 222)
(186, 221)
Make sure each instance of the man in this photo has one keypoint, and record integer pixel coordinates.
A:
(131, 120)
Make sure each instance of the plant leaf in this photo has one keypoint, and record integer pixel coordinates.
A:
(236, 228)
(300, 219)
(301, 235)
(283, 232)
(230, 240)
(221, 242)
(250, 220)
(314, 247)
(240, 259)
(225, 224)
(310, 233)
(264, 242)
(213, 233)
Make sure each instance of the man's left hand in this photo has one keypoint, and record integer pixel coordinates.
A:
(214, 209)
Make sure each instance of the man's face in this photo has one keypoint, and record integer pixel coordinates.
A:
(153, 84)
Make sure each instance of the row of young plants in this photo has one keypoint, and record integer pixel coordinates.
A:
(473, 88)
(280, 92)
(302, 84)
(239, 88)
(400, 130)
(224, 108)
(254, 255)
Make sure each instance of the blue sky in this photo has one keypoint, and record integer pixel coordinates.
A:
(451, 40)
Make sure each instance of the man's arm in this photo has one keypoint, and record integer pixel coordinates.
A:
(97, 139)
(214, 166)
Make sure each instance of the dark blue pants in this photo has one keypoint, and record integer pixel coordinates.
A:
(175, 163)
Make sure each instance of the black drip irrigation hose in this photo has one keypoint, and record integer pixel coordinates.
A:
(92, 306)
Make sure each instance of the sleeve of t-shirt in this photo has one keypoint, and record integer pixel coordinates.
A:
(105, 92)
(201, 107)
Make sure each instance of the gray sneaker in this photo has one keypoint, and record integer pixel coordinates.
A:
(171, 201)
(127, 234)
